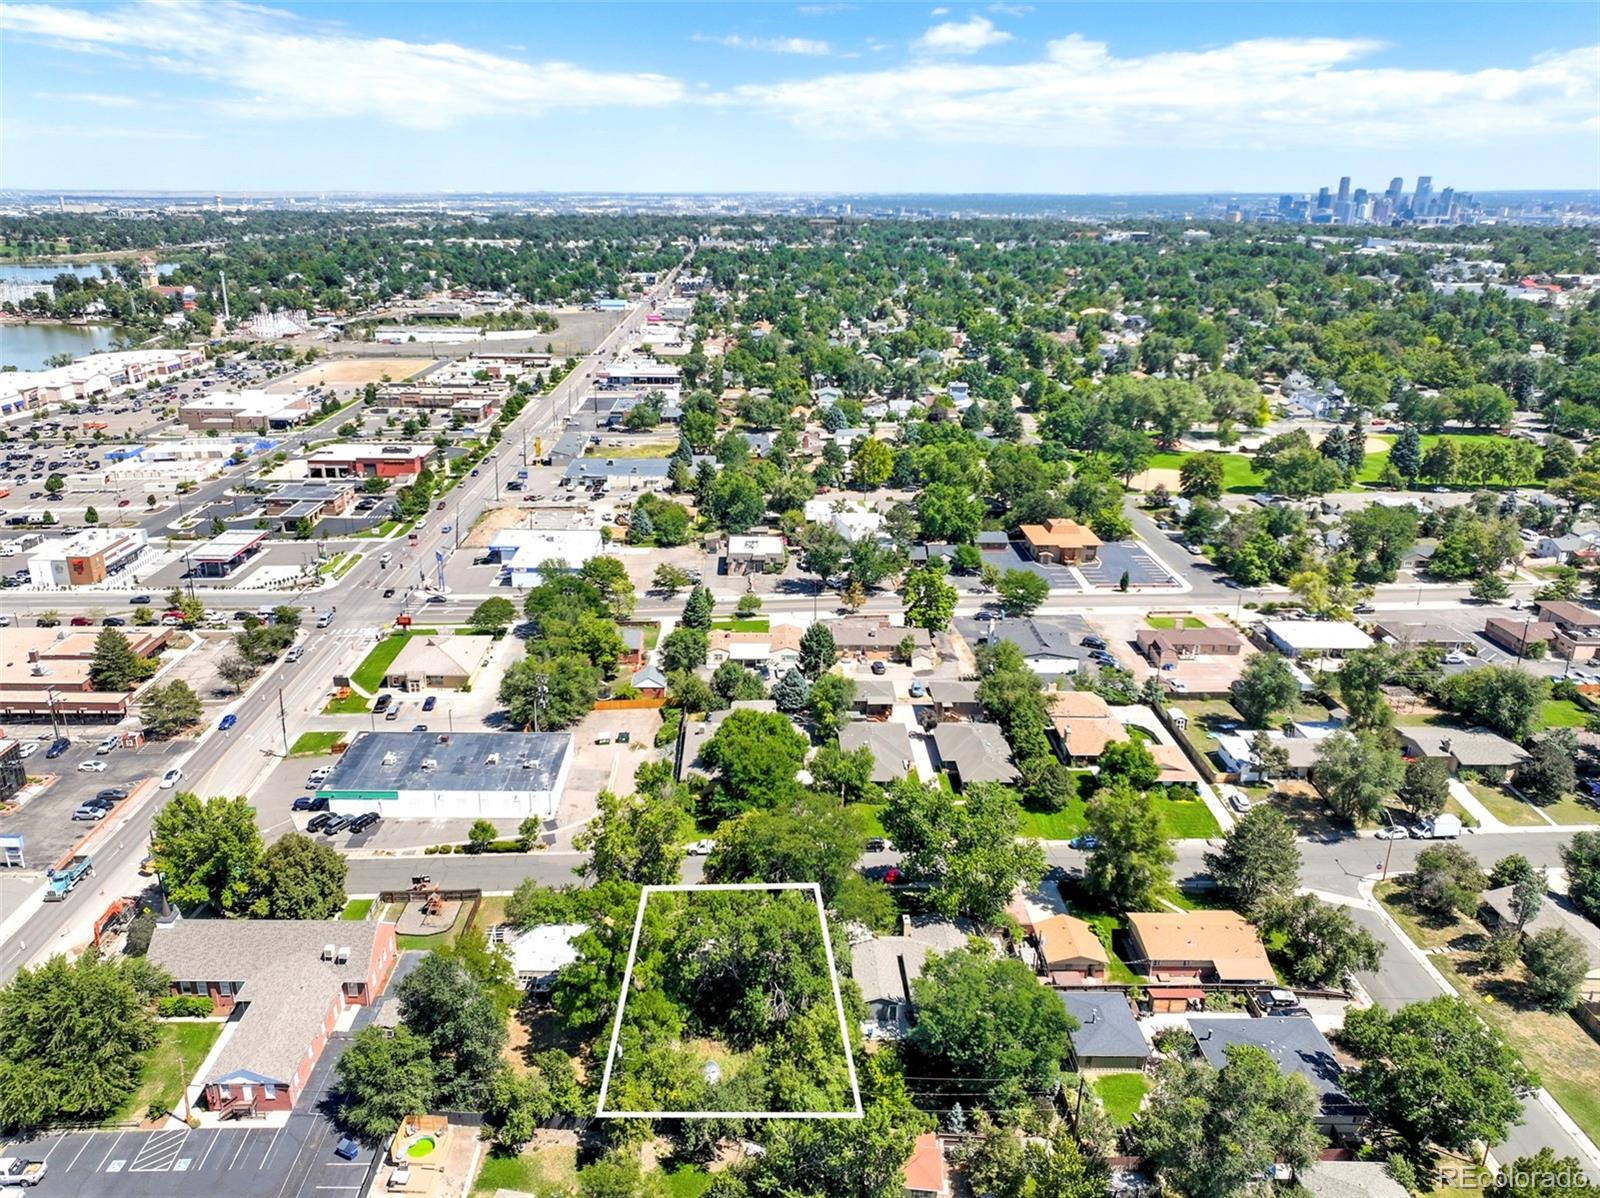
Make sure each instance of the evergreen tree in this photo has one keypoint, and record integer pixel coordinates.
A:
(791, 692)
(697, 610)
(115, 666)
(1406, 454)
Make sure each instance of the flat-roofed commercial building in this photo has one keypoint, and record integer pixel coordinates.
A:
(459, 775)
(223, 554)
(369, 461)
(89, 557)
(246, 411)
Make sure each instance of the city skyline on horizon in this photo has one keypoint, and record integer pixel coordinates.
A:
(985, 99)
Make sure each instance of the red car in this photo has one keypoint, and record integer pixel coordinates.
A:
(892, 875)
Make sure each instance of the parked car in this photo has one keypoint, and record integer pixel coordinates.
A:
(347, 1149)
(364, 821)
(602, 740)
(916, 689)
(419, 727)
(429, 703)
(394, 712)
(336, 823)
(319, 822)
(113, 622)
(381, 703)
(57, 747)
(106, 745)
(113, 793)
(1093, 642)
(701, 848)
(879, 844)
(92, 766)
(87, 811)
(28, 748)
(1084, 842)
(310, 803)
(1391, 832)
(1455, 659)
(624, 737)
(879, 668)
(388, 592)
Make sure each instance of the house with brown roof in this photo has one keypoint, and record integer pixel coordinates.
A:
(438, 662)
(1070, 951)
(1167, 646)
(869, 639)
(1059, 541)
(1082, 725)
(1519, 636)
(776, 649)
(1202, 946)
(1577, 627)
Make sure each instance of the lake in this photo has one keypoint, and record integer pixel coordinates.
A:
(29, 346)
(46, 274)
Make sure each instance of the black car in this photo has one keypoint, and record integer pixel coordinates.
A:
(381, 703)
(113, 793)
(319, 822)
(336, 823)
(362, 822)
(310, 803)
(1093, 642)
(113, 622)
(99, 804)
(388, 592)
(58, 746)
(428, 703)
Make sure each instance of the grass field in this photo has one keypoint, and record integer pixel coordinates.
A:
(686, 1181)
(650, 449)
(352, 704)
(314, 744)
(759, 624)
(159, 1080)
(356, 910)
(1121, 1094)
(1183, 819)
(1555, 1045)
(1238, 471)
(1173, 622)
(370, 673)
(1561, 713)
(548, 1170)
(1504, 807)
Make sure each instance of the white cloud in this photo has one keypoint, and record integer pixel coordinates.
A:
(94, 99)
(939, 12)
(807, 46)
(961, 37)
(1260, 94)
(1011, 10)
(271, 63)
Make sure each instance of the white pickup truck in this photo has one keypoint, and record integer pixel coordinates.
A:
(17, 1171)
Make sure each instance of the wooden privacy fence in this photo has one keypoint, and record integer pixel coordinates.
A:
(628, 704)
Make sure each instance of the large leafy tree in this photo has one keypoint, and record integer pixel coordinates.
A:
(1258, 860)
(755, 756)
(1543, 1175)
(1446, 880)
(1505, 699)
(459, 1019)
(1318, 943)
(817, 651)
(1021, 591)
(930, 601)
(1213, 1133)
(1557, 964)
(207, 851)
(634, 839)
(298, 878)
(984, 1023)
(1581, 857)
(549, 692)
(1264, 689)
(815, 838)
(383, 1077)
(170, 708)
(493, 615)
(73, 1035)
(971, 857)
(1131, 861)
(1357, 774)
(1434, 1073)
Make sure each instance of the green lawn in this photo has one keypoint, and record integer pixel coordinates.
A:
(354, 703)
(551, 1170)
(650, 449)
(1238, 470)
(159, 1079)
(1184, 819)
(757, 624)
(1173, 622)
(370, 673)
(356, 910)
(1121, 1094)
(314, 744)
(1561, 713)
(871, 816)
(686, 1181)
(1054, 825)
(1504, 807)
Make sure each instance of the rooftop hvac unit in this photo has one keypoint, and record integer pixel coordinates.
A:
(327, 951)
(391, 759)
(492, 759)
(343, 955)
(428, 763)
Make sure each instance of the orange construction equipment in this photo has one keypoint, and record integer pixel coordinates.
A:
(115, 918)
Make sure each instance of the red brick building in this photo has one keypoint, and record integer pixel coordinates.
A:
(286, 982)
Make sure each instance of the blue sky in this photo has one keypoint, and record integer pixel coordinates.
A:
(797, 97)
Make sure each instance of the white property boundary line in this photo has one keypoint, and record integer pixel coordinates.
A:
(627, 977)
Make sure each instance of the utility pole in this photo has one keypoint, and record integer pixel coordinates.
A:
(283, 722)
(183, 1082)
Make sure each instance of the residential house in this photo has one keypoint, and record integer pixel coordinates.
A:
(885, 967)
(650, 682)
(1296, 1046)
(1477, 749)
(1350, 1179)
(1046, 644)
(852, 519)
(438, 662)
(1082, 726)
(1236, 751)
(1203, 946)
(751, 554)
(1574, 549)
(926, 1174)
(1418, 635)
(1174, 764)
(869, 639)
(1577, 629)
(874, 697)
(954, 698)
(633, 638)
(1162, 647)
(1556, 911)
(1070, 951)
(974, 753)
(1108, 1036)
(774, 650)
(1059, 541)
(889, 743)
(286, 984)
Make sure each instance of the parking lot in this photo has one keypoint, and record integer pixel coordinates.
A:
(45, 820)
(1116, 557)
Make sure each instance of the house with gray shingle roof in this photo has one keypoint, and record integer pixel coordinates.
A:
(1108, 1036)
(889, 743)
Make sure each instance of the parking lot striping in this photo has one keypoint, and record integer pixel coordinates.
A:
(87, 1140)
(270, 1147)
(159, 1151)
(110, 1150)
(243, 1140)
